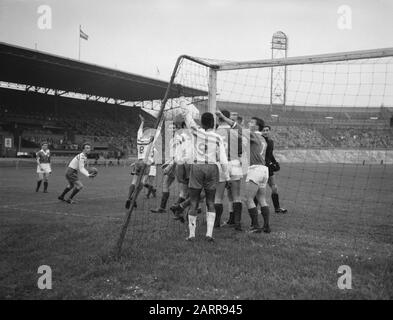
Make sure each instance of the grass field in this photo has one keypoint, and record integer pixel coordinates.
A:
(338, 215)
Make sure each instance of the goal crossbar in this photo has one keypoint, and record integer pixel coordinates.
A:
(309, 59)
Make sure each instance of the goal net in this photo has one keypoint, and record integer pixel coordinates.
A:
(331, 122)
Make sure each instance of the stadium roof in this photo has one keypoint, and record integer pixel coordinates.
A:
(29, 67)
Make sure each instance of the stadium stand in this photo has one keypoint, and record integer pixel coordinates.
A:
(30, 116)
(66, 123)
(70, 122)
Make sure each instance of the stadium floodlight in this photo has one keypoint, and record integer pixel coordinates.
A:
(329, 117)
(373, 118)
(337, 80)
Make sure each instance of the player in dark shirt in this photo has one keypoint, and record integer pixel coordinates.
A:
(43, 166)
(257, 174)
(273, 166)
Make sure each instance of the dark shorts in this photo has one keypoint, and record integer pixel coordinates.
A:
(203, 176)
(139, 167)
(183, 173)
(172, 171)
(71, 176)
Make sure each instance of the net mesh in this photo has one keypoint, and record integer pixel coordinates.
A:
(333, 139)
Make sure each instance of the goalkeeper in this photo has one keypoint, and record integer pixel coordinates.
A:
(273, 166)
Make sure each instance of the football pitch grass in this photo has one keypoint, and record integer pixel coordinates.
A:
(338, 215)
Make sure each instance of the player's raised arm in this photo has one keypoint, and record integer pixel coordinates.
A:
(229, 121)
(223, 160)
(189, 121)
(140, 130)
(235, 125)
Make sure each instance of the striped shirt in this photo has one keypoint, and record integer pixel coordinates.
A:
(207, 146)
(79, 163)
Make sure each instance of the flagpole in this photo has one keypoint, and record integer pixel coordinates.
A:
(79, 35)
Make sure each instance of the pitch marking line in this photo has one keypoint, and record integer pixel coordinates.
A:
(52, 201)
(64, 213)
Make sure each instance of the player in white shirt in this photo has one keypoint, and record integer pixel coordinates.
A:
(184, 158)
(43, 166)
(78, 163)
(234, 147)
(150, 181)
(144, 139)
(170, 166)
(208, 153)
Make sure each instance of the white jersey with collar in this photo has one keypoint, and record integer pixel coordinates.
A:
(78, 163)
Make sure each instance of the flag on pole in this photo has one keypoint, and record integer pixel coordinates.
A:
(82, 34)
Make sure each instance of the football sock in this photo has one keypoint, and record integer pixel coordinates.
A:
(66, 190)
(74, 192)
(230, 209)
(219, 209)
(237, 213)
(231, 218)
(210, 219)
(192, 225)
(276, 202)
(149, 189)
(265, 214)
(45, 185)
(164, 200)
(38, 185)
(254, 217)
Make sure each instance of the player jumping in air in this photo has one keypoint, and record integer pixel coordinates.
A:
(78, 163)
(143, 142)
(43, 166)
(273, 166)
(257, 175)
(208, 153)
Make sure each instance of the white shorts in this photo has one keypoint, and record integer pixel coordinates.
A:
(235, 171)
(152, 171)
(258, 174)
(44, 168)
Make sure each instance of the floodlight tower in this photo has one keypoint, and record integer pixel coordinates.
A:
(278, 75)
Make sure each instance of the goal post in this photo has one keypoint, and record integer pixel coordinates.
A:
(334, 115)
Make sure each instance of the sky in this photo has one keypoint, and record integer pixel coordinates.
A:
(141, 36)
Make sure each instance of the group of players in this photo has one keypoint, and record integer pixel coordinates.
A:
(205, 160)
(208, 159)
